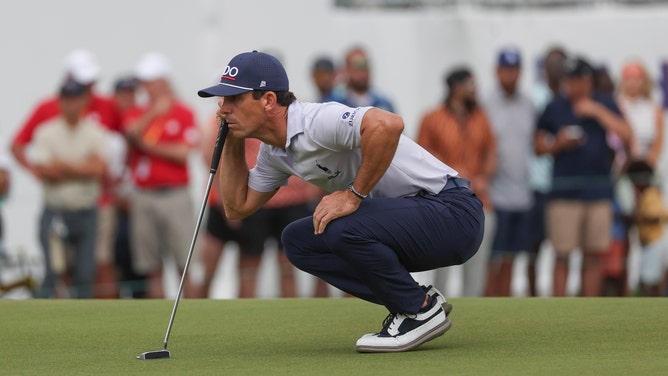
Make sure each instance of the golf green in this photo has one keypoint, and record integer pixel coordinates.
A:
(606, 336)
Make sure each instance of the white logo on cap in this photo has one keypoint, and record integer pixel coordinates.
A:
(263, 83)
(230, 71)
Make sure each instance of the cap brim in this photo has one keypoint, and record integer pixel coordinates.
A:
(222, 90)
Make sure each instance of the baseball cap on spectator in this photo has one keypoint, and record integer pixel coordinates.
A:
(249, 71)
(577, 67)
(152, 66)
(509, 57)
(125, 83)
(82, 66)
(72, 88)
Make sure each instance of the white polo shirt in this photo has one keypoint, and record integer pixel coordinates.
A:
(323, 148)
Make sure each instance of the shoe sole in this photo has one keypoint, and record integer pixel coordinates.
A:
(434, 333)
(447, 308)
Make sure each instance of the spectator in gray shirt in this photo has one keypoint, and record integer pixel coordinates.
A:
(512, 116)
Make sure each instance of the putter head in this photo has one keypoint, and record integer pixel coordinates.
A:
(157, 354)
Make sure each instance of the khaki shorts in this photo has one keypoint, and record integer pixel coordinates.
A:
(106, 234)
(161, 225)
(573, 224)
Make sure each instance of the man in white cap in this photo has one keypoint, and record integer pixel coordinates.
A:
(161, 136)
(80, 66)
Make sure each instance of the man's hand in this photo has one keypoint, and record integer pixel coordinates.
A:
(336, 205)
(161, 106)
(480, 185)
(565, 140)
(587, 108)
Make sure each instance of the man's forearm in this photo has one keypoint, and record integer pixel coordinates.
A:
(233, 179)
(18, 150)
(614, 123)
(4, 182)
(174, 152)
(93, 167)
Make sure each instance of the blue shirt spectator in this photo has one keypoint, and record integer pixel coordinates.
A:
(358, 91)
(582, 172)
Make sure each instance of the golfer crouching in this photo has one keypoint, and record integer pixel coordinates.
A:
(392, 207)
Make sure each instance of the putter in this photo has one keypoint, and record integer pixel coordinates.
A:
(217, 151)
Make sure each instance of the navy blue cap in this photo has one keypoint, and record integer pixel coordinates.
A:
(126, 83)
(71, 88)
(577, 67)
(249, 71)
(509, 57)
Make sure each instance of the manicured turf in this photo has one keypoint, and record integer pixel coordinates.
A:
(316, 337)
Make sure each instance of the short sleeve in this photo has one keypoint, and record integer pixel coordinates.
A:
(265, 177)
(338, 127)
(546, 121)
(40, 153)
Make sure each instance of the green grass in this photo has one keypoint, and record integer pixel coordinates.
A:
(512, 336)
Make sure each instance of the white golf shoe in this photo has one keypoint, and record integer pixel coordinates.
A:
(431, 291)
(403, 332)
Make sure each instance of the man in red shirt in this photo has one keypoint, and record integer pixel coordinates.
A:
(161, 136)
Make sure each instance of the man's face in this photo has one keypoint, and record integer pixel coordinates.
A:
(125, 99)
(508, 78)
(554, 66)
(155, 88)
(357, 70)
(576, 87)
(72, 107)
(244, 114)
(324, 80)
(466, 89)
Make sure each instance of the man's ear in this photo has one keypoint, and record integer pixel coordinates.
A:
(269, 99)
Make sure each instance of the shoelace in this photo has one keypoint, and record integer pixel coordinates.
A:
(387, 322)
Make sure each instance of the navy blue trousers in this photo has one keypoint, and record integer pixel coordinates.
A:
(371, 252)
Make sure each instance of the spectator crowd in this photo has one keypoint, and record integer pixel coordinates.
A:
(570, 164)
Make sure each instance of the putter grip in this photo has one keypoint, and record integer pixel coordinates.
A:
(218, 148)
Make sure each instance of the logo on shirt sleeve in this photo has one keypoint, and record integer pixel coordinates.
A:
(352, 117)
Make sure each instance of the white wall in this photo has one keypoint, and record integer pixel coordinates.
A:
(411, 49)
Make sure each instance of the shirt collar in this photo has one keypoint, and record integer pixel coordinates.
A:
(295, 126)
(295, 122)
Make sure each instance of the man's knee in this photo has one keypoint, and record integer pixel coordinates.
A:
(292, 240)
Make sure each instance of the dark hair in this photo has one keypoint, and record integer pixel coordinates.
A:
(284, 98)
(556, 50)
(453, 78)
(457, 76)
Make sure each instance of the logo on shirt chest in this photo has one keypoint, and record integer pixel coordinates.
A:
(172, 127)
(330, 174)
